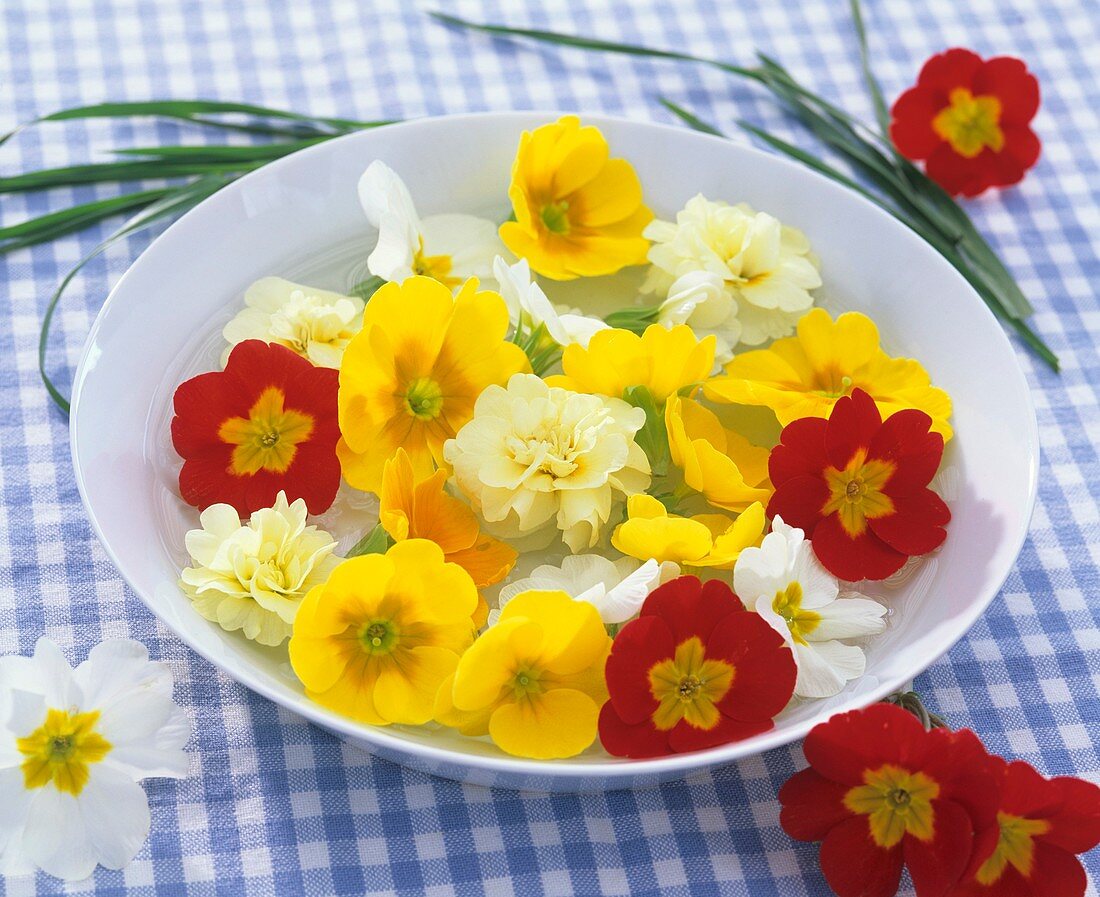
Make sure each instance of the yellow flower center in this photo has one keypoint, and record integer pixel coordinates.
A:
(555, 217)
(898, 803)
(830, 383)
(268, 438)
(61, 750)
(1015, 845)
(687, 686)
(970, 123)
(855, 493)
(424, 399)
(788, 604)
(379, 637)
(437, 267)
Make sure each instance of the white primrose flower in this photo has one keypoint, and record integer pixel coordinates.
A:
(528, 306)
(317, 324)
(451, 248)
(700, 300)
(765, 267)
(786, 584)
(617, 589)
(74, 745)
(535, 455)
(254, 576)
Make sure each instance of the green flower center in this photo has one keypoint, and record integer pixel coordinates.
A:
(378, 637)
(424, 398)
(555, 217)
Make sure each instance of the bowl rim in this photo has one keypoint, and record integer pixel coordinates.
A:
(618, 771)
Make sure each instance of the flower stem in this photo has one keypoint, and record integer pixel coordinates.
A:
(911, 701)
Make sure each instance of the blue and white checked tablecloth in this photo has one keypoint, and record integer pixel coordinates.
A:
(275, 806)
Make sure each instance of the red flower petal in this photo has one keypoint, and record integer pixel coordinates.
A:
(842, 748)
(801, 451)
(956, 67)
(637, 741)
(970, 777)
(1007, 78)
(852, 425)
(1076, 825)
(1056, 873)
(1021, 152)
(911, 126)
(799, 502)
(937, 864)
(905, 441)
(864, 557)
(638, 646)
(917, 525)
(684, 738)
(691, 608)
(854, 866)
(764, 666)
(957, 174)
(812, 805)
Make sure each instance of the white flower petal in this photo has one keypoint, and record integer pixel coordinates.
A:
(471, 243)
(14, 801)
(849, 618)
(824, 667)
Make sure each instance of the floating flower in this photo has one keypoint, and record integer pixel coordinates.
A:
(413, 508)
(1041, 824)
(578, 212)
(253, 577)
(694, 671)
(662, 360)
(766, 269)
(449, 248)
(701, 300)
(615, 588)
(705, 540)
(969, 120)
(882, 793)
(805, 375)
(534, 681)
(535, 454)
(266, 424)
(315, 324)
(411, 375)
(724, 466)
(858, 487)
(800, 599)
(379, 637)
(74, 745)
(529, 308)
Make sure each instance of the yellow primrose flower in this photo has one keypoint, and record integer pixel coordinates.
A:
(705, 540)
(379, 637)
(410, 377)
(724, 466)
(578, 212)
(804, 375)
(534, 680)
(662, 359)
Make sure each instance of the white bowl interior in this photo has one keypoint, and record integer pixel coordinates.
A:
(300, 218)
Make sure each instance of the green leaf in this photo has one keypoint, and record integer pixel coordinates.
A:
(215, 153)
(377, 541)
(877, 100)
(105, 172)
(57, 224)
(652, 437)
(367, 288)
(636, 320)
(175, 203)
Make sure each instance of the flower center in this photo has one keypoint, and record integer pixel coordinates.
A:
(437, 267)
(527, 683)
(555, 217)
(1015, 845)
(788, 604)
(898, 802)
(688, 686)
(378, 637)
(855, 493)
(268, 438)
(61, 750)
(970, 123)
(424, 399)
(830, 383)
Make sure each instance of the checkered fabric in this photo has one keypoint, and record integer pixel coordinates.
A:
(276, 806)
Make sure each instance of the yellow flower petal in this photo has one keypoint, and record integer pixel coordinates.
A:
(663, 539)
(745, 531)
(468, 722)
(484, 668)
(560, 723)
(574, 637)
(407, 695)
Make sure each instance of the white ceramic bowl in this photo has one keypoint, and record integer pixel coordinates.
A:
(299, 217)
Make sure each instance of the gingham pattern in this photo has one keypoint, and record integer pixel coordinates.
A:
(274, 806)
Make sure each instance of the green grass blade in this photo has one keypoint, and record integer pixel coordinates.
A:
(112, 172)
(882, 115)
(175, 203)
(690, 118)
(214, 153)
(58, 224)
